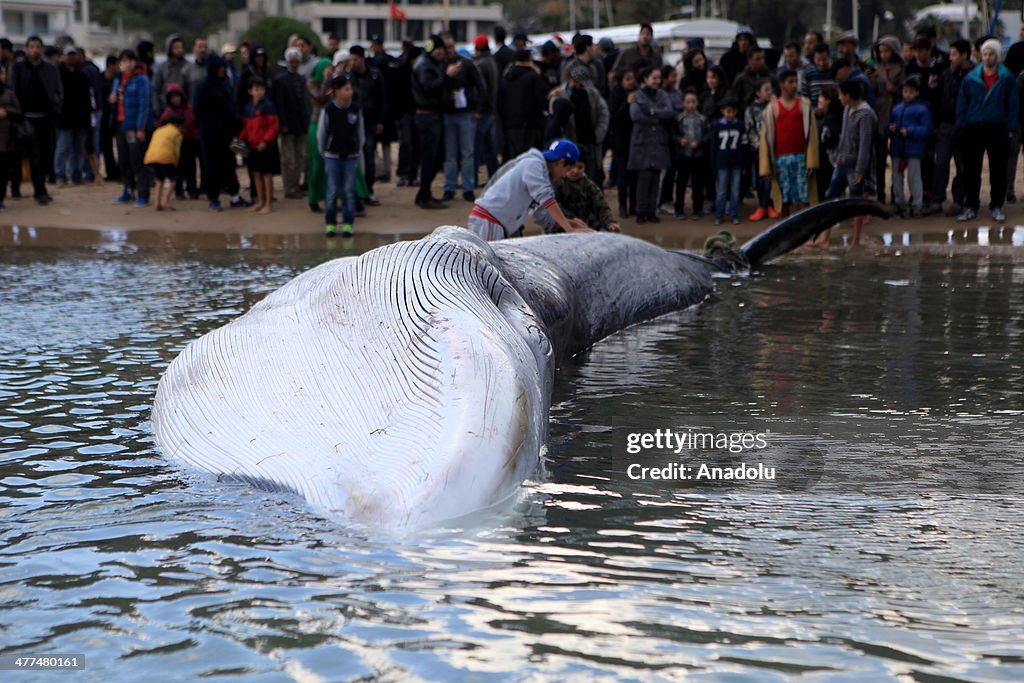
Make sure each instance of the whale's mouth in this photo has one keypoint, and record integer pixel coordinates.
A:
(399, 388)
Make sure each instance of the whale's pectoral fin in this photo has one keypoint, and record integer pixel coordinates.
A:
(791, 232)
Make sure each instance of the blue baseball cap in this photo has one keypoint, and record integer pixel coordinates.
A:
(562, 149)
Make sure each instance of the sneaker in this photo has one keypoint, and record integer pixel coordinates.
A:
(402, 182)
(718, 220)
(469, 196)
(900, 211)
(346, 229)
(998, 216)
(124, 197)
(43, 199)
(329, 230)
(372, 200)
(315, 208)
(215, 205)
(240, 203)
(432, 203)
(967, 215)
(447, 196)
(758, 215)
(667, 208)
(772, 213)
(141, 202)
(735, 220)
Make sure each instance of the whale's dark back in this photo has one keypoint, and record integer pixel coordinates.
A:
(585, 288)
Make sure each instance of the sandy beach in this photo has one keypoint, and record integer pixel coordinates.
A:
(89, 208)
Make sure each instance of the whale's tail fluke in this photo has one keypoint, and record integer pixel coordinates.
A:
(791, 232)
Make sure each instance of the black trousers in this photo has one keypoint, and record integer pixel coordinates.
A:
(690, 169)
(625, 182)
(107, 142)
(218, 167)
(187, 168)
(370, 154)
(977, 140)
(647, 190)
(7, 161)
(948, 150)
(431, 134)
(44, 137)
(134, 173)
(408, 148)
(518, 139)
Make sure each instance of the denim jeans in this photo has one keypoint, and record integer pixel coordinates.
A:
(842, 177)
(70, 152)
(341, 184)
(459, 143)
(486, 148)
(727, 185)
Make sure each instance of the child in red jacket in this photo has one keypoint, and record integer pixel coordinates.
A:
(177, 103)
(259, 132)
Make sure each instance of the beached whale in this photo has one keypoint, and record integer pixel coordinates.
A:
(412, 384)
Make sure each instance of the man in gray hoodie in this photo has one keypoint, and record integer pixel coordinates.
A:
(171, 71)
(853, 155)
(525, 187)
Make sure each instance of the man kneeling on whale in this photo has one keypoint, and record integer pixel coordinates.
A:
(522, 187)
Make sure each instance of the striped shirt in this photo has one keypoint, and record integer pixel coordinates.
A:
(813, 81)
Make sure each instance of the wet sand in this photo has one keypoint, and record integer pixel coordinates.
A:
(85, 214)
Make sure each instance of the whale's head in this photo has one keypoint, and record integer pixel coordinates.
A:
(399, 388)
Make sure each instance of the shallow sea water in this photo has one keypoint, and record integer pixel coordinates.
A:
(109, 550)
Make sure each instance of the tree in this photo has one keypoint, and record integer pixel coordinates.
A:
(273, 33)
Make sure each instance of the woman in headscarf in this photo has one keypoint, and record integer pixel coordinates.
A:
(318, 96)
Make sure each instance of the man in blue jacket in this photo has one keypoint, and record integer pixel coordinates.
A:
(986, 116)
(132, 113)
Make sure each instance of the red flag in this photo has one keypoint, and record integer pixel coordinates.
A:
(397, 13)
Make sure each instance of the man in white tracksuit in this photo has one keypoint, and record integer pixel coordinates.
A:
(524, 187)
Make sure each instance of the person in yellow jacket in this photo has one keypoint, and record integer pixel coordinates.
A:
(789, 147)
(162, 157)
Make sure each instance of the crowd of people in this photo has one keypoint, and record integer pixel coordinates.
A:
(783, 129)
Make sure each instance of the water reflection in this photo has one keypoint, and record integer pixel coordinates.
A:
(108, 550)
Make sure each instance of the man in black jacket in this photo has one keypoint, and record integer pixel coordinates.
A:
(947, 145)
(73, 121)
(466, 100)
(503, 54)
(522, 99)
(219, 122)
(40, 92)
(290, 100)
(403, 109)
(372, 98)
(430, 93)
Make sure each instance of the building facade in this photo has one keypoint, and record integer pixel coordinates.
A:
(354, 21)
(48, 19)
